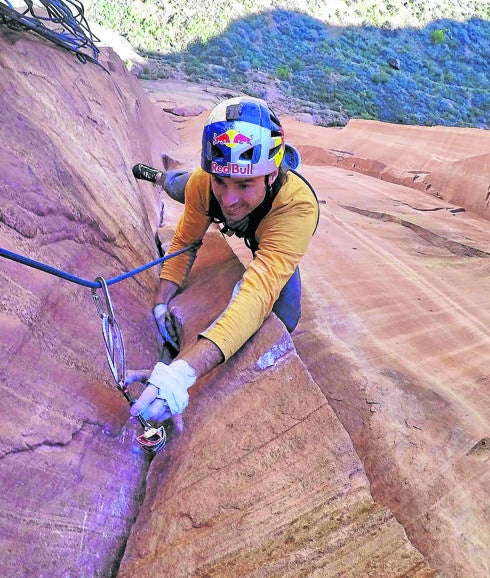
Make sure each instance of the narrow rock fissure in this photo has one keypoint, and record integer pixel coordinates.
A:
(432, 238)
(140, 495)
(141, 492)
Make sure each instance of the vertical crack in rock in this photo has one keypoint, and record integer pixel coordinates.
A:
(139, 499)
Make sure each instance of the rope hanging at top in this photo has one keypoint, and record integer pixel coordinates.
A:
(60, 22)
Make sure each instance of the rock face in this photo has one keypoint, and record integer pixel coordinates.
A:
(71, 477)
(358, 447)
(265, 481)
(395, 328)
(448, 163)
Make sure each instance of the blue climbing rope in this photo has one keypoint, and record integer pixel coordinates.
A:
(85, 282)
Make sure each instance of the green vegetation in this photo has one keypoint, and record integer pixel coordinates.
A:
(170, 26)
(408, 62)
(282, 73)
(438, 36)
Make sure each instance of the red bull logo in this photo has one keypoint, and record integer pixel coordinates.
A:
(231, 138)
(231, 169)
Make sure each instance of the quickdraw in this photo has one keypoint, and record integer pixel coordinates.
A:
(153, 439)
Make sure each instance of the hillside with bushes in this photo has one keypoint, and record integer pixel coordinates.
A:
(422, 63)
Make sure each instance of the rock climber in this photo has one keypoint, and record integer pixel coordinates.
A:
(244, 184)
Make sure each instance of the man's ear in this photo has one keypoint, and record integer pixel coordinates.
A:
(272, 177)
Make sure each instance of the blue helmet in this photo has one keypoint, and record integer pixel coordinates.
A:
(242, 137)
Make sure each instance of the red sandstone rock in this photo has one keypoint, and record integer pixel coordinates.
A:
(394, 285)
(70, 472)
(274, 471)
(395, 329)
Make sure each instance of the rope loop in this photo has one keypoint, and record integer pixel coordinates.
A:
(65, 25)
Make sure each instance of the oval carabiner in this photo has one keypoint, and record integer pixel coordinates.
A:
(108, 311)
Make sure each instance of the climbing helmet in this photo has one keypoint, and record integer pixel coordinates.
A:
(242, 137)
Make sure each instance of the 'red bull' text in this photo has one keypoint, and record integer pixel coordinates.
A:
(231, 169)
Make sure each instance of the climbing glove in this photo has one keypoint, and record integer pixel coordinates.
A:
(166, 392)
(166, 326)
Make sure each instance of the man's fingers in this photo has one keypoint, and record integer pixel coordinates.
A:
(157, 411)
(166, 326)
(144, 400)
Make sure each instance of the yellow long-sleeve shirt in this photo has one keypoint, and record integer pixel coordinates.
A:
(282, 235)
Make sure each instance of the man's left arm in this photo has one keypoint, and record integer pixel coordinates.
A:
(283, 237)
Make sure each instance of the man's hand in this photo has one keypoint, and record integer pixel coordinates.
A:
(166, 326)
(166, 392)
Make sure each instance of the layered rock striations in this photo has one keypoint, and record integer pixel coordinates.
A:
(311, 455)
(71, 477)
(395, 328)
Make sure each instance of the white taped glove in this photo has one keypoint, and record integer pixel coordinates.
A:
(165, 325)
(166, 393)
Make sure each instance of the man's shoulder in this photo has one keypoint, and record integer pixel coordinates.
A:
(198, 185)
(297, 189)
(200, 177)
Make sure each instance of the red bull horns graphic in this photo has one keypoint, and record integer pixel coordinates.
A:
(231, 138)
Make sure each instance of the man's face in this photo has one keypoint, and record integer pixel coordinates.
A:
(238, 197)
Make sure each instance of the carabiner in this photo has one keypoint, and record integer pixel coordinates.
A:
(108, 311)
(153, 439)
